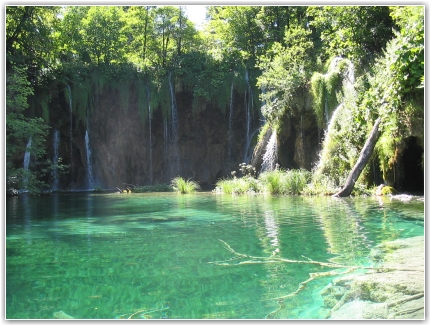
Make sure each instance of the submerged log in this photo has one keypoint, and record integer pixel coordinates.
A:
(364, 157)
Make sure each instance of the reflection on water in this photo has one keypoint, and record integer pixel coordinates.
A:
(110, 256)
(271, 227)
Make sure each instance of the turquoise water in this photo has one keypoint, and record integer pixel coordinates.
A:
(114, 256)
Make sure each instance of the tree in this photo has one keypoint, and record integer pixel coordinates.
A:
(69, 38)
(237, 33)
(139, 29)
(362, 160)
(173, 34)
(102, 35)
(29, 36)
(275, 20)
(19, 129)
(355, 32)
(396, 90)
(284, 70)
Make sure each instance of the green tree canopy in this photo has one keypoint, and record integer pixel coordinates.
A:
(354, 32)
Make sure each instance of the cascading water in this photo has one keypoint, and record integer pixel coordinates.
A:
(249, 104)
(174, 109)
(27, 156)
(348, 80)
(166, 137)
(150, 133)
(89, 166)
(349, 77)
(69, 96)
(174, 163)
(248, 101)
(56, 144)
(230, 123)
(270, 157)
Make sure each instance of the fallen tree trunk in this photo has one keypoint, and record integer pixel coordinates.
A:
(365, 154)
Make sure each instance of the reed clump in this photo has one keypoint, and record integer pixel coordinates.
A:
(184, 186)
(277, 182)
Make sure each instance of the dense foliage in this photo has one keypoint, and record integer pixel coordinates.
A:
(282, 53)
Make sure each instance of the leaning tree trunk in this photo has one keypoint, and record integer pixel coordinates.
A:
(365, 154)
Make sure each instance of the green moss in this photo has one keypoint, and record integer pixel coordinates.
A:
(318, 96)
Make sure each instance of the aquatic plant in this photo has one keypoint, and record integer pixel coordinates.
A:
(183, 186)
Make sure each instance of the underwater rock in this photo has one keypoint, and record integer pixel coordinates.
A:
(394, 291)
(62, 315)
(168, 219)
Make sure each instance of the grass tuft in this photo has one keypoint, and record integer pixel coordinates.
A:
(183, 186)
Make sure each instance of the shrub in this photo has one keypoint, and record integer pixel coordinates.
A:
(184, 186)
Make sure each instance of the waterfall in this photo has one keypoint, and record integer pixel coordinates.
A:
(270, 157)
(69, 96)
(166, 137)
(55, 160)
(174, 164)
(150, 133)
(349, 77)
(348, 80)
(326, 110)
(27, 162)
(248, 102)
(174, 109)
(230, 123)
(89, 167)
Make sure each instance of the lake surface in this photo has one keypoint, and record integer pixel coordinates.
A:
(114, 256)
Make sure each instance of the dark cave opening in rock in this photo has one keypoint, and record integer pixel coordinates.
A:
(413, 180)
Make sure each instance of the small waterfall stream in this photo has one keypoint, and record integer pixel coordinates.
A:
(348, 80)
(56, 145)
(150, 133)
(270, 157)
(166, 137)
(174, 163)
(174, 109)
(248, 102)
(249, 105)
(69, 96)
(230, 123)
(89, 165)
(27, 157)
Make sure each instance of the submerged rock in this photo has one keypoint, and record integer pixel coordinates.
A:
(62, 315)
(395, 290)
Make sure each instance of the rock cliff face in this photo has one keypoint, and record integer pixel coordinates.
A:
(128, 148)
(123, 150)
